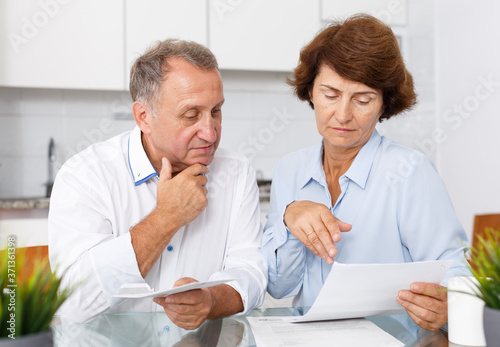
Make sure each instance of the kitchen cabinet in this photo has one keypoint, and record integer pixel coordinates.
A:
(392, 12)
(75, 44)
(147, 21)
(259, 34)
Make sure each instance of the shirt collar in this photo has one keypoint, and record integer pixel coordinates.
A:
(359, 170)
(362, 164)
(140, 166)
(314, 167)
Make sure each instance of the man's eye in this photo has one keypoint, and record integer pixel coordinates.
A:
(191, 115)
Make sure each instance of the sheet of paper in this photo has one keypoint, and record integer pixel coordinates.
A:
(274, 331)
(142, 290)
(364, 290)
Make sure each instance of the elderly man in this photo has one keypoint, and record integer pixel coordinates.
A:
(159, 205)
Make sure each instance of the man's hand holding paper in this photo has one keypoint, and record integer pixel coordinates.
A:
(187, 309)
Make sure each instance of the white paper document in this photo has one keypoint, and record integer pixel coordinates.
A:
(142, 290)
(364, 290)
(274, 331)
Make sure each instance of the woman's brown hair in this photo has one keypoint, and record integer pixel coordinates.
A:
(361, 49)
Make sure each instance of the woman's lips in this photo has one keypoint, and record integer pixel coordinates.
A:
(342, 130)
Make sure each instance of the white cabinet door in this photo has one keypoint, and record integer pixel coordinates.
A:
(392, 12)
(152, 20)
(260, 34)
(75, 44)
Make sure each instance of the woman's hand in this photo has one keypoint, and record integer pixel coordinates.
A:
(426, 304)
(315, 226)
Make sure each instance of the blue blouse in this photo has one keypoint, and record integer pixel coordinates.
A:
(392, 196)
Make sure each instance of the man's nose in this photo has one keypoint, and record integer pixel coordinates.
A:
(207, 129)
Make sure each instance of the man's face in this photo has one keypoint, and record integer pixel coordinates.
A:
(187, 128)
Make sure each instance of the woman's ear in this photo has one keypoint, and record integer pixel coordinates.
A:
(381, 113)
(311, 101)
(141, 116)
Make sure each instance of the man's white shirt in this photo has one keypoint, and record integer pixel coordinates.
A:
(102, 192)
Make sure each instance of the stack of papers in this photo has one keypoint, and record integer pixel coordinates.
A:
(350, 291)
(273, 331)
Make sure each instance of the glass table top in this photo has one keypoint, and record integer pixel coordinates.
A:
(155, 329)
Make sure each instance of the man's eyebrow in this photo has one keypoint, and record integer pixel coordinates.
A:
(186, 108)
(357, 93)
(220, 103)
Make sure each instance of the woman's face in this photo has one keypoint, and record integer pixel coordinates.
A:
(346, 111)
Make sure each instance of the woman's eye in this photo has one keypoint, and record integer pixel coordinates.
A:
(363, 102)
(332, 97)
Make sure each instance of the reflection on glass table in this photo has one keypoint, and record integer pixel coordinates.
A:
(155, 329)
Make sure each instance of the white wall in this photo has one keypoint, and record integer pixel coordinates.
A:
(468, 55)
(413, 128)
(449, 47)
(29, 117)
(261, 118)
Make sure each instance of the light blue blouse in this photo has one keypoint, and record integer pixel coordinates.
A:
(392, 196)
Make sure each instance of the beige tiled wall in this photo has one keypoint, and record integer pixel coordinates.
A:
(261, 118)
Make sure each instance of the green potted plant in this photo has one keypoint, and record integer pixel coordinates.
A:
(30, 296)
(485, 267)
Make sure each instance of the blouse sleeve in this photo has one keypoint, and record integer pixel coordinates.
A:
(427, 221)
(284, 254)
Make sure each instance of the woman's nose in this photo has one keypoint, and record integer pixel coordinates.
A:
(343, 113)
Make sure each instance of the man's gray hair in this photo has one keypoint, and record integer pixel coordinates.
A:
(150, 70)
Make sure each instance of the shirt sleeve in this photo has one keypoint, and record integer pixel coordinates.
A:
(285, 255)
(244, 261)
(428, 224)
(84, 249)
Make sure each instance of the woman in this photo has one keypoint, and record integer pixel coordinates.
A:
(387, 200)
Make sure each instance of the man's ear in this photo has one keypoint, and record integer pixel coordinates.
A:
(141, 115)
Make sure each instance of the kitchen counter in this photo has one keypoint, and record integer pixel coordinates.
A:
(24, 203)
(26, 219)
(43, 203)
